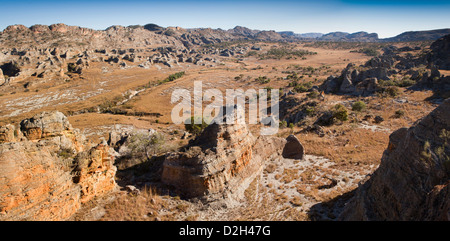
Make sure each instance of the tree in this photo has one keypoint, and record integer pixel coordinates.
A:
(145, 145)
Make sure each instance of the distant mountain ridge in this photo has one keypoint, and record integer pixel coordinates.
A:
(418, 35)
(353, 37)
(373, 37)
(152, 34)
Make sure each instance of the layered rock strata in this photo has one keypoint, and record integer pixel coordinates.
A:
(223, 160)
(47, 169)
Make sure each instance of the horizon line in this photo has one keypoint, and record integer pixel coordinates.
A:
(218, 28)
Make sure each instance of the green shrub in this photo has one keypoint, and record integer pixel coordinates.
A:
(399, 113)
(279, 53)
(340, 112)
(65, 153)
(195, 128)
(310, 111)
(142, 145)
(71, 67)
(358, 106)
(170, 78)
(300, 87)
(313, 94)
(405, 82)
(263, 79)
(369, 51)
(392, 91)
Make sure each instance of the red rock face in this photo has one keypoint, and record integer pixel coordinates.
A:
(413, 180)
(34, 187)
(38, 182)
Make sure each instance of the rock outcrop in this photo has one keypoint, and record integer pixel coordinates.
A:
(45, 124)
(439, 55)
(356, 81)
(293, 148)
(48, 169)
(223, 160)
(413, 180)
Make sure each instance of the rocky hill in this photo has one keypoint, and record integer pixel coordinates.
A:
(428, 35)
(347, 37)
(61, 35)
(413, 180)
(418, 35)
(440, 53)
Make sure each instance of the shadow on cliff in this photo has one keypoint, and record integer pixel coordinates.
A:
(142, 174)
(330, 210)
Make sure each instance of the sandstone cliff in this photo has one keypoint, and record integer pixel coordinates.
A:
(47, 169)
(413, 180)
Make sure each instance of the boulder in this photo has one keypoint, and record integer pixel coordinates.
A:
(293, 148)
(378, 119)
(439, 53)
(347, 85)
(45, 124)
(7, 133)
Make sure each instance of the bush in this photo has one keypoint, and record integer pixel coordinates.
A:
(369, 51)
(310, 111)
(340, 112)
(358, 106)
(263, 79)
(300, 87)
(399, 113)
(195, 128)
(279, 53)
(72, 68)
(392, 91)
(144, 145)
(313, 94)
(405, 82)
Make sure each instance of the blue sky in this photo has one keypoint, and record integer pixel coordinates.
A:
(387, 18)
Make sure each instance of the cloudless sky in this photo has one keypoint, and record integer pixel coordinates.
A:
(385, 17)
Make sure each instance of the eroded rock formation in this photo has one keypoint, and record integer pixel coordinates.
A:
(223, 160)
(356, 81)
(48, 169)
(413, 180)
